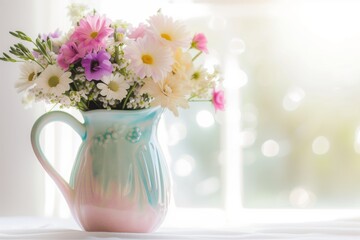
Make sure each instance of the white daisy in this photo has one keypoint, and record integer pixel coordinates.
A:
(113, 87)
(53, 80)
(168, 93)
(171, 33)
(148, 59)
(28, 75)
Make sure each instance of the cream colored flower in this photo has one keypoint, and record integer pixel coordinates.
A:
(113, 87)
(28, 75)
(183, 65)
(171, 33)
(168, 93)
(53, 80)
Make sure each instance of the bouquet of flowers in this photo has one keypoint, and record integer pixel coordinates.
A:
(104, 64)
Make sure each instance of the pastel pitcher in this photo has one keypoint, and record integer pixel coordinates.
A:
(120, 181)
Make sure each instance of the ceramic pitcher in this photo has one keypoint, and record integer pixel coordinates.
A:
(119, 181)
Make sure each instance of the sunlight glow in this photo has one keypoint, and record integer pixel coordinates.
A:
(205, 119)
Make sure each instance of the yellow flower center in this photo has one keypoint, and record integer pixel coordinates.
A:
(31, 76)
(94, 35)
(147, 59)
(53, 81)
(166, 36)
(113, 86)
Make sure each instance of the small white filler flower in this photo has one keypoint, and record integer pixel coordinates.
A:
(113, 87)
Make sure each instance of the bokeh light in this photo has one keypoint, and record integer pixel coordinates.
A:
(205, 119)
(208, 186)
(301, 198)
(237, 46)
(320, 145)
(176, 132)
(247, 138)
(184, 166)
(293, 98)
(270, 148)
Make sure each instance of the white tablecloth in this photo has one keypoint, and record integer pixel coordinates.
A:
(50, 228)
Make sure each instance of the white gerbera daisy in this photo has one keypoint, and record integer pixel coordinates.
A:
(168, 93)
(171, 33)
(53, 80)
(148, 59)
(29, 72)
(113, 87)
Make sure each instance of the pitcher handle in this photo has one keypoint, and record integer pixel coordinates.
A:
(49, 117)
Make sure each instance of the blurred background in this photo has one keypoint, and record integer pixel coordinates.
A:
(290, 135)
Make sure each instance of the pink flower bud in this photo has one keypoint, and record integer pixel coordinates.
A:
(199, 42)
(218, 100)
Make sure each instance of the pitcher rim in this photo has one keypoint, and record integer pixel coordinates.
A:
(151, 109)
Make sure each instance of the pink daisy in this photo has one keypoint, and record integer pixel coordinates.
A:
(69, 53)
(92, 32)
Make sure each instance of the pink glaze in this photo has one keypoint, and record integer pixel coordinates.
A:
(120, 181)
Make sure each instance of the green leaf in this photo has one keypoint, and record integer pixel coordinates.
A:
(49, 44)
(21, 35)
(40, 46)
(8, 57)
(14, 34)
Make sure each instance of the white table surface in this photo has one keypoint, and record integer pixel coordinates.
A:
(52, 228)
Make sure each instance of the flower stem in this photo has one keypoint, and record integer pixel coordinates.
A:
(117, 59)
(39, 63)
(44, 52)
(52, 108)
(128, 95)
(203, 100)
(196, 56)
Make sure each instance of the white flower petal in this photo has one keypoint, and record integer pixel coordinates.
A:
(159, 58)
(63, 84)
(171, 33)
(28, 75)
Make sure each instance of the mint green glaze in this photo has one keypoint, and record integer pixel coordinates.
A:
(119, 175)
